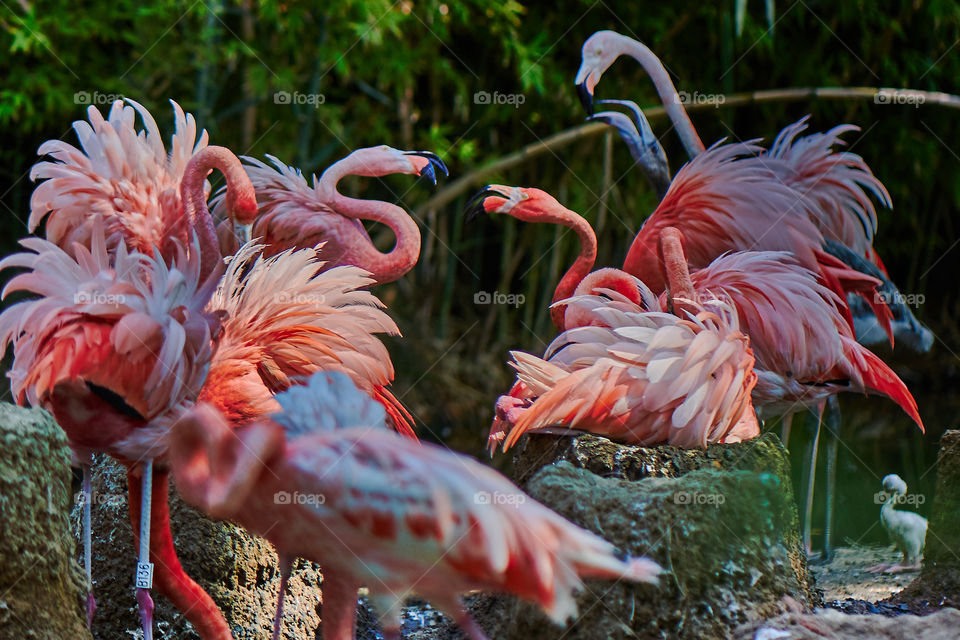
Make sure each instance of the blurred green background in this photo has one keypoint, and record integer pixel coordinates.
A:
(406, 74)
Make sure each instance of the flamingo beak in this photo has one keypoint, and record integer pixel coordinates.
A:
(434, 165)
(474, 206)
(586, 97)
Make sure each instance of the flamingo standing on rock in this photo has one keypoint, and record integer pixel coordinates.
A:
(294, 214)
(384, 511)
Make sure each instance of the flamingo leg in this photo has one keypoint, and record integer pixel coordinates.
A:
(339, 606)
(810, 477)
(285, 567)
(454, 609)
(785, 424)
(87, 493)
(144, 576)
(833, 424)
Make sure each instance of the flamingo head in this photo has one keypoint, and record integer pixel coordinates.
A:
(215, 465)
(527, 204)
(598, 53)
(612, 284)
(241, 203)
(373, 162)
(894, 484)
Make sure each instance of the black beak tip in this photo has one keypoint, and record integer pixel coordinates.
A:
(435, 164)
(474, 206)
(586, 97)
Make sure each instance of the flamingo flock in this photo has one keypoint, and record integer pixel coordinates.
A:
(230, 341)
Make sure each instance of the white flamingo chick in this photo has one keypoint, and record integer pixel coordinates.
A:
(907, 530)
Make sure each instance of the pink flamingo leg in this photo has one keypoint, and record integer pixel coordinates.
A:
(452, 608)
(339, 606)
(144, 576)
(86, 494)
(285, 566)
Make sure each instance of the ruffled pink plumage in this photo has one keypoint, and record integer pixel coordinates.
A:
(284, 319)
(639, 377)
(120, 174)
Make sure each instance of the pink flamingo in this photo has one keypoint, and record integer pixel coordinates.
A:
(294, 214)
(144, 195)
(377, 509)
(116, 345)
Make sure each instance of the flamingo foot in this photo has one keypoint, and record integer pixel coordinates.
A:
(91, 609)
(145, 603)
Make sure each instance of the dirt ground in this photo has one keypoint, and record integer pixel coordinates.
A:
(846, 577)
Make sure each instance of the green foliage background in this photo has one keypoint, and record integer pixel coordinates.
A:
(405, 73)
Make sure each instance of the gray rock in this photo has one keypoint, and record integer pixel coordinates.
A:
(841, 626)
(42, 588)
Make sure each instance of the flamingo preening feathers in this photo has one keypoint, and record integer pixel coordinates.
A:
(385, 512)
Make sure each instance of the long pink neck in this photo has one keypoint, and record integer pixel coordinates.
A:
(194, 198)
(675, 266)
(384, 267)
(580, 267)
(668, 94)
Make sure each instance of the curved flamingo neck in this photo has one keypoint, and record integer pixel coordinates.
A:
(667, 92)
(194, 198)
(384, 267)
(675, 265)
(580, 267)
